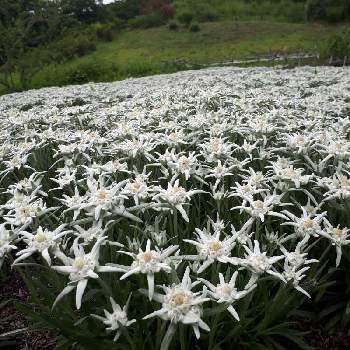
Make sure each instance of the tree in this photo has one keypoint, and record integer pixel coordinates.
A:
(85, 11)
(25, 25)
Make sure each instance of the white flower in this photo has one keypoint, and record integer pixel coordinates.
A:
(261, 208)
(149, 262)
(176, 196)
(337, 236)
(80, 268)
(117, 319)
(307, 225)
(226, 292)
(298, 258)
(41, 242)
(6, 239)
(257, 262)
(291, 273)
(181, 305)
(210, 247)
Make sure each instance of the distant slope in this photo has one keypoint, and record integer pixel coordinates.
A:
(157, 50)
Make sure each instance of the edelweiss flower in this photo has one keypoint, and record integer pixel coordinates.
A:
(117, 319)
(257, 262)
(180, 305)
(226, 292)
(260, 209)
(337, 236)
(176, 196)
(210, 247)
(40, 242)
(80, 268)
(292, 274)
(148, 262)
(6, 239)
(307, 225)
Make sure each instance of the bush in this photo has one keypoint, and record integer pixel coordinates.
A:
(173, 25)
(118, 23)
(104, 32)
(185, 17)
(209, 16)
(327, 10)
(337, 46)
(71, 46)
(86, 72)
(194, 27)
(146, 21)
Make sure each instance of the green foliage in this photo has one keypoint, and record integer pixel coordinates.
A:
(185, 17)
(146, 21)
(104, 32)
(173, 25)
(71, 46)
(327, 10)
(84, 73)
(337, 46)
(85, 11)
(204, 10)
(194, 27)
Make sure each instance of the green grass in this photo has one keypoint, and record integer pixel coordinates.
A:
(156, 50)
(281, 10)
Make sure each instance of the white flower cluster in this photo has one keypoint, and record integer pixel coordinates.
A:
(200, 183)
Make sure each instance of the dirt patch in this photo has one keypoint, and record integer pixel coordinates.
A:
(13, 289)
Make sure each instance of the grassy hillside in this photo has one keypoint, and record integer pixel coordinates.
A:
(281, 10)
(159, 50)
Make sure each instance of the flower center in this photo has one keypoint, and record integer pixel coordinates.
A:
(179, 299)
(338, 146)
(338, 232)
(259, 204)
(101, 195)
(79, 263)
(40, 237)
(308, 223)
(147, 257)
(215, 246)
(226, 289)
(344, 181)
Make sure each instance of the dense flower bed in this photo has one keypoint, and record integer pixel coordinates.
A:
(212, 201)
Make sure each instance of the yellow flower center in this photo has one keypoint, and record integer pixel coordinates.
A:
(338, 146)
(215, 246)
(40, 237)
(259, 204)
(338, 232)
(179, 299)
(300, 140)
(79, 263)
(147, 257)
(308, 223)
(344, 181)
(101, 195)
(226, 289)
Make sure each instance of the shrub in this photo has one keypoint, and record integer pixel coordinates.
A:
(118, 23)
(84, 73)
(194, 27)
(337, 46)
(104, 32)
(327, 10)
(185, 17)
(146, 21)
(84, 45)
(70, 46)
(173, 25)
(209, 16)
